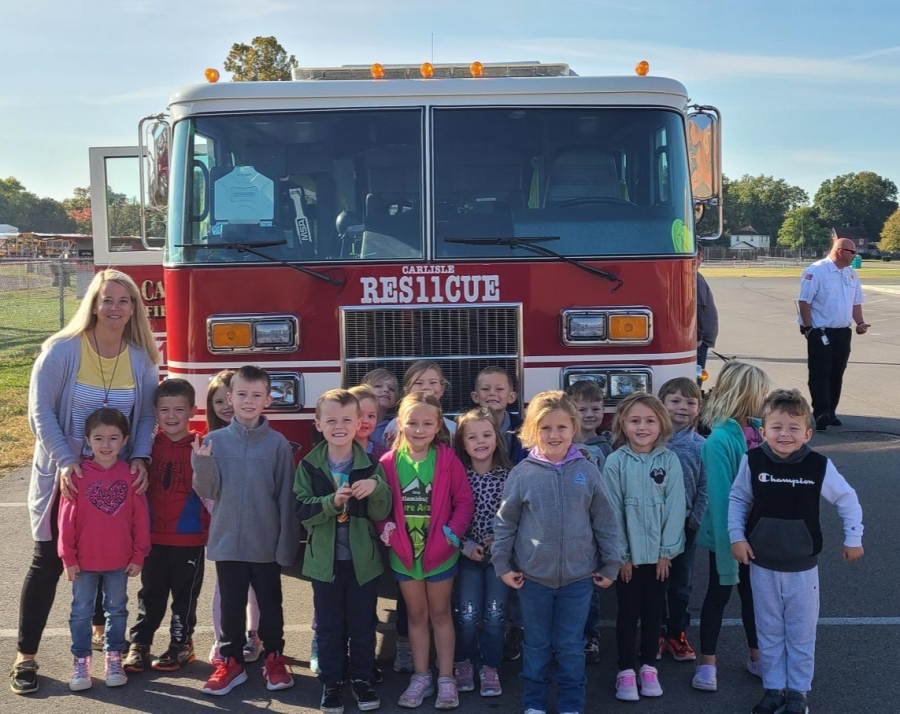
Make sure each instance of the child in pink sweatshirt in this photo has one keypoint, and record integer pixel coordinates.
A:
(104, 535)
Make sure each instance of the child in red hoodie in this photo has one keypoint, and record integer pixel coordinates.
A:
(104, 534)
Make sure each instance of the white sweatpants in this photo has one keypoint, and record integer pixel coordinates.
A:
(787, 611)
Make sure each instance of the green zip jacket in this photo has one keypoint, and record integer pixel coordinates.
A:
(315, 489)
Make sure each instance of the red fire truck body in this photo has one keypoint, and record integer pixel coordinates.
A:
(321, 229)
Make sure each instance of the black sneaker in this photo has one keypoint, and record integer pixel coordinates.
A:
(512, 646)
(365, 696)
(332, 699)
(592, 650)
(174, 658)
(773, 701)
(137, 659)
(24, 677)
(796, 702)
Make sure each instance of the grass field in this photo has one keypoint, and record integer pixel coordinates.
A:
(30, 314)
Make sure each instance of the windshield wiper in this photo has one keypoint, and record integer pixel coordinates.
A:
(532, 243)
(253, 249)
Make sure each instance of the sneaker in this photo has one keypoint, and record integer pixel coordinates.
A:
(366, 698)
(314, 657)
(81, 674)
(332, 699)
(227, 676)
(626, 686)
(403, 661)
(465, 676)
(650, 682)
(97, 641)
(680, 648)
(490, 682)
(253, 648)
(705, 678)
(660, 647)
(448, 695)
(535, 711)
(512, 645)
(796, 702)
(420, 686)
(215, 659)
(115, 674)
(771, 703)
(175, 658)
(276, 673)
(592, 650)
(755, 668)
(24, 677)
(137, 659)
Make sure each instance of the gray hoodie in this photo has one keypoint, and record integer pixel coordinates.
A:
(250, 477)
(555, 523)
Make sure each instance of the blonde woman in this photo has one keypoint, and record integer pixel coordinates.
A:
(104, 357)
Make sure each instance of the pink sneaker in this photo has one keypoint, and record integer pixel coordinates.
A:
(420, 686)
(465, 676)
(490, 682)
(626, 686)
(650, 682)
(447, 697)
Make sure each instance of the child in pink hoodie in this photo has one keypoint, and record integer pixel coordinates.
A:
(104, 535)
(433, 505)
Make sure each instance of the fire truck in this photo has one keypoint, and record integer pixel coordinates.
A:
(515, 215)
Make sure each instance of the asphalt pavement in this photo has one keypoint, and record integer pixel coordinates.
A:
(860, 603)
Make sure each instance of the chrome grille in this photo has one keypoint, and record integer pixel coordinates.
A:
(462, 340)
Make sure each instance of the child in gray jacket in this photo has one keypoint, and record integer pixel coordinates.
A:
(554, 535)
(247, 469)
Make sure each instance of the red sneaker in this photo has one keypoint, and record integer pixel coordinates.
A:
(276, 673)
(680, 648)
(227, 676)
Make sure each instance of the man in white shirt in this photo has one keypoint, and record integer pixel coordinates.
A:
(830, 302)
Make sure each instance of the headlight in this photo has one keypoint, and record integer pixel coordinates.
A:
(612, 326)
(583, 327)
(287, 391)
(599, 378)
(253, 333)
(621, 385)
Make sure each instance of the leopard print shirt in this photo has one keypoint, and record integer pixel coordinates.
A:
(488, 492)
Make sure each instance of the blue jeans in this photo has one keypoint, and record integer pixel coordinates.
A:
(592, 626)
(479, 613)
(554, 625)
(679, 587)
(115, 602)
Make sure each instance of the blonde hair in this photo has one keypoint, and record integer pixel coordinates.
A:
(652, 403)
(137, 330)
(789, 401)
(410, 402)
(363, 391)
(341, 397)
(500, 457)
(739, 394)
(216, 382)
(377, 375)
(538, 409)
(417, 369)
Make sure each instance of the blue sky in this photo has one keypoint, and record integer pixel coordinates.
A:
(809, 89)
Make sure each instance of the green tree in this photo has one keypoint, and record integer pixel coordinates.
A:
(804, 228)
(864, 199)
(760, 201)
(890, 234)
(264, 59)
(30, 213)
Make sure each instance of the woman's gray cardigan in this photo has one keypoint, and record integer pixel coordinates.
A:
(50, 396)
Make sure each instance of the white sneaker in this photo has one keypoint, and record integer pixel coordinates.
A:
(115, 674)
(253, 647)
(81, 676)
(626, 686)
(755, 668)
(650, 682)
(705, 678)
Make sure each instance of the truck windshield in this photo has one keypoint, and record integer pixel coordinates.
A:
(312, 186)
(604, 181)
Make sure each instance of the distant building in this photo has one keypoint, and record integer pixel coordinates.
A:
(858, 235)
(6, 228)
(748, 238)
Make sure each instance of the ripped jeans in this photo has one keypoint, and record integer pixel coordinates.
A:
(479, 612)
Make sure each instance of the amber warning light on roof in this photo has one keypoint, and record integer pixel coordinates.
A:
(642, 68)
(211, 74)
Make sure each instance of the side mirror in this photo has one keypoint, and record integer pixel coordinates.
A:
(158, 164)
(704, 140)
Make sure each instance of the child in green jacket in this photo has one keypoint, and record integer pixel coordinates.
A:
(340, 492)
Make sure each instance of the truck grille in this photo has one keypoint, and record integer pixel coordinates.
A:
(462, 340)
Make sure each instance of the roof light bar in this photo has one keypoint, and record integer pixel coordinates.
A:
(441, 71)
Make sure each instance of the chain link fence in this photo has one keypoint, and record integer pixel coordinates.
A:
(37, 297)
